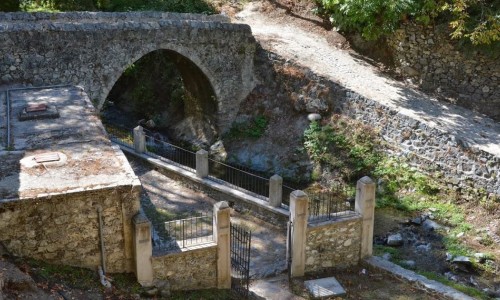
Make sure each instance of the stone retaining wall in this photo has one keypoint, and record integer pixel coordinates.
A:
(334, 244)
(456, 160)
(64, 228)
(426, 54)
(190, 270)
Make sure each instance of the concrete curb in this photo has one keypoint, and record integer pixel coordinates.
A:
(411, 276)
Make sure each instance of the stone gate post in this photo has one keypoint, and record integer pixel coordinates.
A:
(222, 237)
(299, 205)
(365, 205)
(143, 250)
(275, 190)
(202, 163)
(139, 140)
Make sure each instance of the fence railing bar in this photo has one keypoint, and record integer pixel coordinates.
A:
(235, 168)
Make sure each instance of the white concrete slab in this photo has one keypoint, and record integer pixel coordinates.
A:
(324, 287)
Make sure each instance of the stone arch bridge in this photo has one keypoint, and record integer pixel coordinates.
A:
(93, 50)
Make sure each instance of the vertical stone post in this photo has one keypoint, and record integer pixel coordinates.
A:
(299, 205)
(143, 250)
(139, 140)
(365, 205)
(202, 163)
(275, 190)
(222, 236)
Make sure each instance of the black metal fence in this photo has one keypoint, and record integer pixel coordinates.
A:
(239, 178)
(240, 260)
(286, 191)
(333, 203)
(179, 156)
(183, 233)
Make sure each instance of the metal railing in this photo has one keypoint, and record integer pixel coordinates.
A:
(240, 178)
(286, 191)
(179, 156)
(183, 233)
(333, 203)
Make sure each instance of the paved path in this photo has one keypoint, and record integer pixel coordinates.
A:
(312, 50)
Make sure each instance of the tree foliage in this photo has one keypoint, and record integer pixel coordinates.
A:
(477, 21)
(186, 6)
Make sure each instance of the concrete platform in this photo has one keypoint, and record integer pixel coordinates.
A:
(324, 287)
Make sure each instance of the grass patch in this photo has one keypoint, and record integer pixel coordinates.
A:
(464, 289)
(71, 276)
(380, 250)
(254, 128)
(120, 133)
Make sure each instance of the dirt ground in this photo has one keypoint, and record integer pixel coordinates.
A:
(364, 282)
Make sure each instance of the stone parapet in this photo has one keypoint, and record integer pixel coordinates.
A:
(189, 270)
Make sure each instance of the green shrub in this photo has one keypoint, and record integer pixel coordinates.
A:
(476, 21)
(254, 128)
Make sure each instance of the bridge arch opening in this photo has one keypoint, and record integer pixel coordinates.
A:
(168, 93)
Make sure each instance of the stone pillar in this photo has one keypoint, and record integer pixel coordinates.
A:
(299, 205)
(365, 205)
(139, 140)
(143, 250)
(202, 163)
(222, 237)
(275, 190)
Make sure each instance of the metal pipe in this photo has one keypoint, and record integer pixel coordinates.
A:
(101, 238)
(7, 99)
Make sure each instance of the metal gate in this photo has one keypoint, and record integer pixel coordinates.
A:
(240, 260)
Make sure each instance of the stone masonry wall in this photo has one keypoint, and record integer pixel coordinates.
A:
(460, 163)
(426, 54)
(94, 49)
(190, 270)
(64, 228)
(333, 244)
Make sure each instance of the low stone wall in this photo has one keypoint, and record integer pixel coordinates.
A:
(64, 228)
(335, 243)
(439, 66)
(189, 270)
